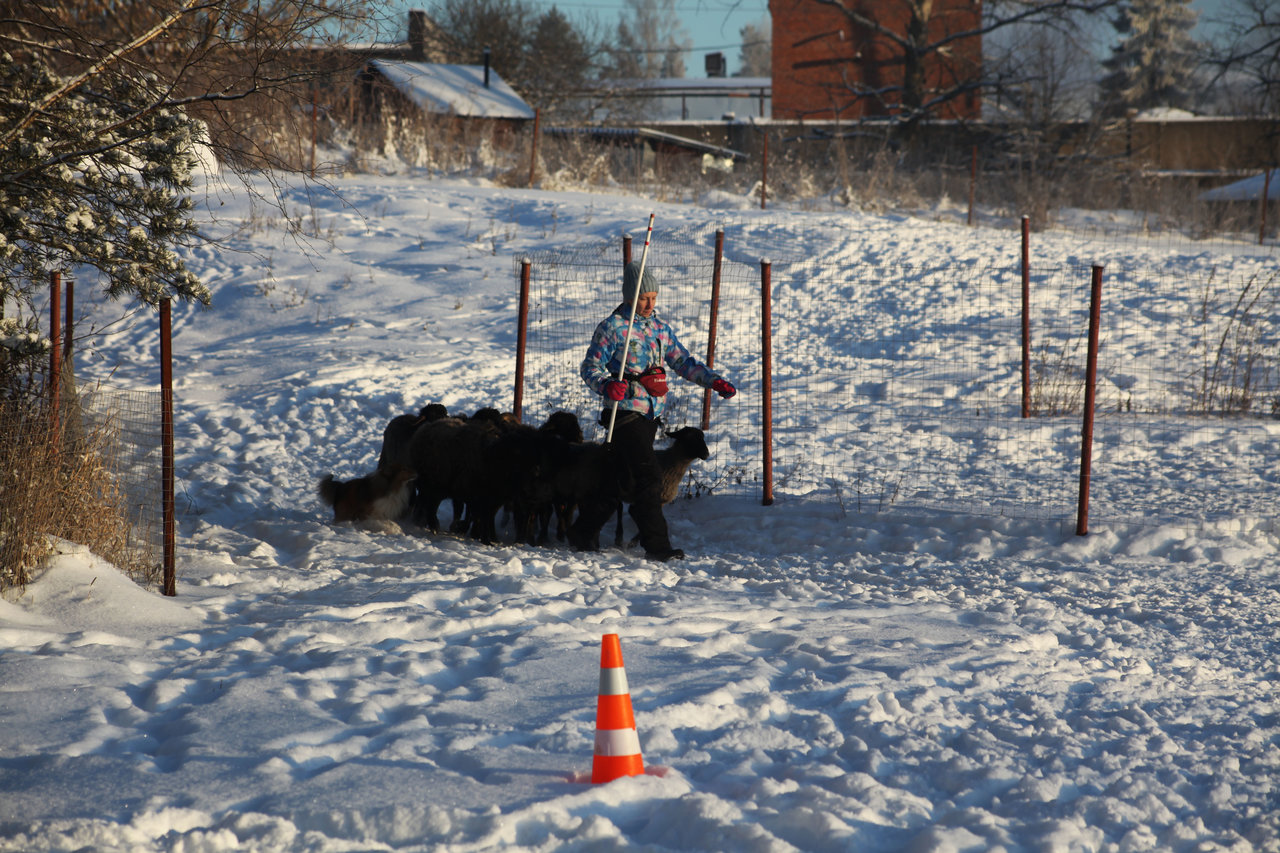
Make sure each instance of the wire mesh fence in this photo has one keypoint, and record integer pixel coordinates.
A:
(79, 465)
(901, 386)
(129, 420)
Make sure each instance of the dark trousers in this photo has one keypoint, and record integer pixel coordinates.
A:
(639, 478)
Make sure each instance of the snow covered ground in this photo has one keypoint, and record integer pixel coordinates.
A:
(812, 677)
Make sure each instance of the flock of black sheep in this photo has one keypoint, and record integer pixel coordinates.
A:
(490, 461)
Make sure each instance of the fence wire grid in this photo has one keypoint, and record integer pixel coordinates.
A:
(899, 386)
(129, 419)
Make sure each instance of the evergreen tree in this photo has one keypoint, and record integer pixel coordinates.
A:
(93, 175)
(1154, 63)
(560, 62)
(503, 26)
(756, 57)
(650, 41)
(103, 105)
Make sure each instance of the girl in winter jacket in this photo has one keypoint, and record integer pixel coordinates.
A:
(651, 349)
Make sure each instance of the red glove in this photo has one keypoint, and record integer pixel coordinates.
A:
(724, 388)
(615, 390)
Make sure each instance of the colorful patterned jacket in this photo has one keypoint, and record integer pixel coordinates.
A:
(653, 343)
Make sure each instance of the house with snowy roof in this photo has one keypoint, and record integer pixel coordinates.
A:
(461, 93)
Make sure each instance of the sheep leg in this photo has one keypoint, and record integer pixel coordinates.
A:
(564, 517)
(426, 511)
(543, 527)
(483, 524)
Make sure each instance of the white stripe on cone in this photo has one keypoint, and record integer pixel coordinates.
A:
(617, 742)
(613, 681)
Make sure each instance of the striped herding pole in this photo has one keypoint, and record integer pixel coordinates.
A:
(626, 343)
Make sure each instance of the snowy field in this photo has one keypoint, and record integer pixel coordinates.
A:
(812, 677)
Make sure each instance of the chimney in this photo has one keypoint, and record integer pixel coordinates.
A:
(417, 35)
(486, 67)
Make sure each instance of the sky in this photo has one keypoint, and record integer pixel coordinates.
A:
(714, 25)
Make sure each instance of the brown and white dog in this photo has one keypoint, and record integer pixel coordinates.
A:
(382, 495)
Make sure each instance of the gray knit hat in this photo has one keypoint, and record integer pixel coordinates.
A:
(632, 273)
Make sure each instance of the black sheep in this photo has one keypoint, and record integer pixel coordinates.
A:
(688, 444)
(400, 430)
(566, 427)
(448, 456)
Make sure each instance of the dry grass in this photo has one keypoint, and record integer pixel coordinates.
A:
(57, 479)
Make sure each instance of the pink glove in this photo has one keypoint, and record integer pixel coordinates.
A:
(724, 388)
(615, 390)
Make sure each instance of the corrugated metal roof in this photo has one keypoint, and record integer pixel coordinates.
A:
(635, 133)
(454, 89)
(1249, 189)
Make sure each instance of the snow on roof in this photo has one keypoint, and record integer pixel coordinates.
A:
(1248, 189)
(1164, 114)
(456, 89)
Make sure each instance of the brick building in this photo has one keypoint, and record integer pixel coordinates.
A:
(825, 66)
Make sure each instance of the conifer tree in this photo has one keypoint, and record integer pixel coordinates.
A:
(650, 41)
(560, 63)
(501, 26)
(104, 105)
(93, 177)
(756, 57)
(1154, 64)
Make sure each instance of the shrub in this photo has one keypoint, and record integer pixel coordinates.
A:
(57, 479)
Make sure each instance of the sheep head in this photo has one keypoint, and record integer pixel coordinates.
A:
(691, 442)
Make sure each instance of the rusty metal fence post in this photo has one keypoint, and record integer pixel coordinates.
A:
(167, 450)
(764, 172)
(1262, 206)
(54, 386)
(533, 152)
(1090, 399)
(1026, 316)
(766, 376)
(713, 322)
(973, 182)
(522, 330)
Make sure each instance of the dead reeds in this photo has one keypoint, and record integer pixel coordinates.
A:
(57, 480)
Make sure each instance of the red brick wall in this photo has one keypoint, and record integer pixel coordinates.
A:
(817, 54)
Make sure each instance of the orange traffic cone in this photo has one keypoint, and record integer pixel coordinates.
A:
(617, 744)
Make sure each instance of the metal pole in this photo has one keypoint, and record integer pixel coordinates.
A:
(1090, 396)
(766, 376)
(973, 181)
(1026, 316)
(715, 317)
(313, 131)
(1262, 211)
(533, 155)
(54, 384)
(764, 172)
(521, 336)
(70, 322)
(626, 342)
(166, 447)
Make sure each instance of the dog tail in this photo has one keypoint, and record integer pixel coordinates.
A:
(329, 490)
